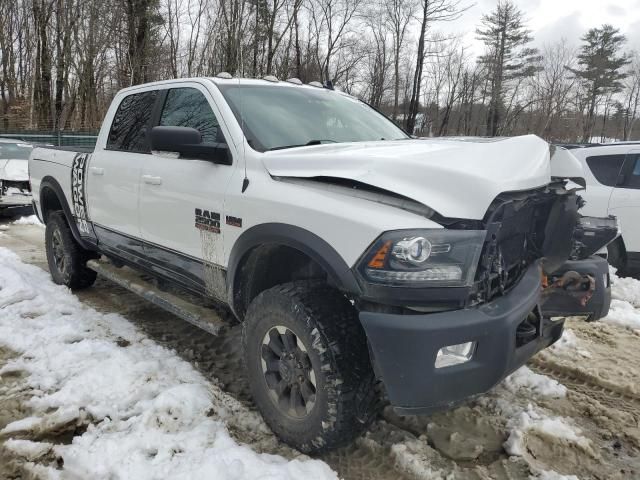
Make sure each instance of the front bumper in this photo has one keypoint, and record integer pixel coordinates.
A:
(574, 300)
(404, 348)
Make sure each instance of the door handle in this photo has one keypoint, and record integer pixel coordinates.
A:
(151, 180)
(97, 171)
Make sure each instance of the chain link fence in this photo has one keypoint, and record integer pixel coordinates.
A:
(54, 137)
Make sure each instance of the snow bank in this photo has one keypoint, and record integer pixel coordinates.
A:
(625, 294)
(149, 413)
(30, 220)
(626, 289)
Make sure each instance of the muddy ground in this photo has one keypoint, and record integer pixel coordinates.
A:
(600, 372)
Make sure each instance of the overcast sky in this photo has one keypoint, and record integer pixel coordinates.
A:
(551, 20)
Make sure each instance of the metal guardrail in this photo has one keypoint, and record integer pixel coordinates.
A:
(61, 138)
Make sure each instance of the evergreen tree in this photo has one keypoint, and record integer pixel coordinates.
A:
(600, 69)
(507, 57)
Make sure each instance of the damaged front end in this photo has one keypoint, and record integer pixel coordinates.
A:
(546, 225)
(581, 286)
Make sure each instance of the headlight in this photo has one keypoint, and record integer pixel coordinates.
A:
(424, 258)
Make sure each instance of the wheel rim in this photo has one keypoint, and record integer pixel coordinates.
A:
(57, 249)
(288, 372)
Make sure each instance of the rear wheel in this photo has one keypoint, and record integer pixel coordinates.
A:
(308, 366)
(66, 258)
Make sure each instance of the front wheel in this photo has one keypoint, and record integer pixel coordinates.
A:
(66, 258)
(308, 366)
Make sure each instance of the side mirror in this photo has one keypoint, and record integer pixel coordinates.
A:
(622, 178)
(188, 143)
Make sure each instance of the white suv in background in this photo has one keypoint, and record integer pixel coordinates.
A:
(612, 173)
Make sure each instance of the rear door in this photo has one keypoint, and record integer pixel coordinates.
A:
(605, 170)
(182, 200)
(625, 201)
(114, 172)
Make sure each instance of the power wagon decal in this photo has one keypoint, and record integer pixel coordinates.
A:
(208, 221)
(78, 193)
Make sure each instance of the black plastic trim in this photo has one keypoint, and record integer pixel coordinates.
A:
(50, 182)
(295, 237)
(185, 270)
(559, 304)
(404, 348)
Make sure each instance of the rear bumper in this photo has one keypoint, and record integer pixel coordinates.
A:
(404, 348)
(16, 200)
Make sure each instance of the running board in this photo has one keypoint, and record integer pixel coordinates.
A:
(202, 317)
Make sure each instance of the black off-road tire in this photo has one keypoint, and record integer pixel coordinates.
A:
(346, 399)
(66, 258)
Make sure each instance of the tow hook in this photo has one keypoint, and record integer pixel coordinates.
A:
(574, 285)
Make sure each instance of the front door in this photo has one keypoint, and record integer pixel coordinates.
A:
(182, 200)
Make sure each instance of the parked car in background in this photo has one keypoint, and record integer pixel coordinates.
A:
(612, 175)
(15, 190)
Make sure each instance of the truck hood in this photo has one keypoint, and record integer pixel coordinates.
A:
(16, 170)
(458, 178)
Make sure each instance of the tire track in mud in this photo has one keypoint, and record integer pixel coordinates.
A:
(584, 382)
(612, 410)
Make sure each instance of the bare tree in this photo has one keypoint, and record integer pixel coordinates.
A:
(632, 97)
(552, 86)
(331, 21)
(399, 15)
(431, 11)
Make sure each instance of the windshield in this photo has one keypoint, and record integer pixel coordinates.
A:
(15, 151)
(278, 117)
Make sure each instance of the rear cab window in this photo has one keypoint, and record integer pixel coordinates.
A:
(128, 130)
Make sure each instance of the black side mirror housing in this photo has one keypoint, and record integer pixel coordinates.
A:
(187, 142)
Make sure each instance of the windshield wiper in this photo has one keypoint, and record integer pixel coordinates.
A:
(310, 142)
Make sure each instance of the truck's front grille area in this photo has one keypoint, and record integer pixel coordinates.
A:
(515, 226)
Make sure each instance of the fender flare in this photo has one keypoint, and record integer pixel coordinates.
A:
(51, 183)
(295, 237)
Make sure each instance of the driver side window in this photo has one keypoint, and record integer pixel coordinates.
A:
(188, 107)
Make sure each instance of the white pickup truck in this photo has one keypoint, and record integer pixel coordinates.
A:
(362, 262)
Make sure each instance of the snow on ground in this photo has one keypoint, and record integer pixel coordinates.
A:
(149, 413)
(536, 383)
(625, 293)
(30, 220)
(523, 419)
